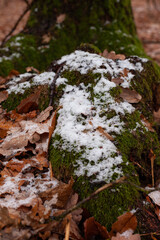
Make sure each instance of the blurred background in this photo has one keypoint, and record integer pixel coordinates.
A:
(146, 15)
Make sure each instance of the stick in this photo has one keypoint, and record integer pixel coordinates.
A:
(16, 24)
(53, 85)
(67, 229)
(64, 214)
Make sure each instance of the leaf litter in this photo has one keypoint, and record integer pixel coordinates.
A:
(29, 197)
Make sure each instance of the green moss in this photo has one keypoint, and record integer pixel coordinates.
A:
(115, 92)
(14, 100)
(108, 204)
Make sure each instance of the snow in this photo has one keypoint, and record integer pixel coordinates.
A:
(17, 85)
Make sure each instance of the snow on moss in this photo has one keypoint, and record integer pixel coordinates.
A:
(20, 83)
(80, 115)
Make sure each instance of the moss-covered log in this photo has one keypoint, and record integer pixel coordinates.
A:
(99, 136)
(57, 27)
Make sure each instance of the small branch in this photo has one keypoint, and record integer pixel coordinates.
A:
(64, 214)
(16, 24)
(53, 85)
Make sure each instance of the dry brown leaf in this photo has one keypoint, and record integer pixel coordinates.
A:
(61, 18)
(76, 217)
(3, 133)
(12, 74)
(117, 81)
(125, 222)
(44, 114)
(46, 38)
(3, 95)
(125, 72)
(112, 55)
(93, 229)
(42, 159)
(104, 133)
(32, 70)
(130, 96)
(30, 103)
(6, 219)
(64, 192)
(128, 237)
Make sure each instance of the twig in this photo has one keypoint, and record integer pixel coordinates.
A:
(16, 24)
(67, 229)
(64, 214)
(53, 85)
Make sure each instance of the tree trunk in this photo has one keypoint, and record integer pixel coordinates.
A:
(58, 27)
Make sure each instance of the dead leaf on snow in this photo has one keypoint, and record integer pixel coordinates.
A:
(112, 55)
(104, 133)
(117, 81)
(94, 229)
(124, 222)
(3, 95)
(130, 96)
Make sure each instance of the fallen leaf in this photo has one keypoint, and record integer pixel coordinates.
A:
(30, 103)
(61, 18)
(155, 196)
(125, 72)
(46, 38)
(32, 70)
(44, 114)
(93, 229)
(104, 133)
(3, 95)
(112, 55)
(125, 222)
(3, 133)
(130, 96)
(117, 81)
(12, 73)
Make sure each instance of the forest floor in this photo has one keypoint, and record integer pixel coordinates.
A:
(146, 14)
